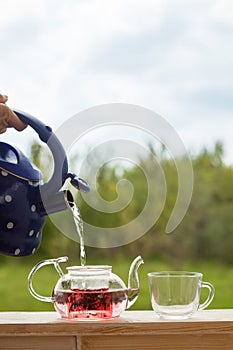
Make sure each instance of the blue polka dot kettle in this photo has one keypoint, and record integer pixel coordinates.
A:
(24, 199)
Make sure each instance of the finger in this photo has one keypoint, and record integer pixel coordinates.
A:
(3, 127)
(9, 119)
(2, 130)
(3, 118)
(15, 122)
(3, 98)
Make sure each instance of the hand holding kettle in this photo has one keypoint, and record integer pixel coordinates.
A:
(8, 119)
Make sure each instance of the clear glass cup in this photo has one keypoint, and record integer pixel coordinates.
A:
(176, 294)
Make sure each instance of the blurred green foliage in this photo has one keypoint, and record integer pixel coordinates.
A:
(203, 241)
(14, 294)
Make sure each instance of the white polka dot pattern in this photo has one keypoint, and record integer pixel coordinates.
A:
(31, 233)
(10, 225)
(33, 208)
(8, 198)
(17, 251)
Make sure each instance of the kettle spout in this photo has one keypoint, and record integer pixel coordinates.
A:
(133, 281)
(59, 201)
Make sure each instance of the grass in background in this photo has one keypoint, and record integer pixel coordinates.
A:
(14, 294)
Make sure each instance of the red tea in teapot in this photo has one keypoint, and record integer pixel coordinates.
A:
(90, 304)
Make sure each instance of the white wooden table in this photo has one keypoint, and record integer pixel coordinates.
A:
(138, 330)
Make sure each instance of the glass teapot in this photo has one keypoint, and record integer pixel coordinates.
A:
(89, 292)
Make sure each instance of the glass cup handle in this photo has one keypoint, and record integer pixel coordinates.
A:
(55, 262)
(210, 297)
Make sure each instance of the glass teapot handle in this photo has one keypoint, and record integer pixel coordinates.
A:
(55, 262)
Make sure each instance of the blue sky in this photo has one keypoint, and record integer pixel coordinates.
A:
(174, 57)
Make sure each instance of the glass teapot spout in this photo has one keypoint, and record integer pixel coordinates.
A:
(133, 281)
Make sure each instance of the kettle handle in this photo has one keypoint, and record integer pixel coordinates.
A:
(60, 171)
(60, 160)
(42, 130)
(55, 262)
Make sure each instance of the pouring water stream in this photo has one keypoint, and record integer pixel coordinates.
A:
(80, 231)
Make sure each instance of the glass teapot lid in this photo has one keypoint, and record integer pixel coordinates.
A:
(89, 269)
(94, 277)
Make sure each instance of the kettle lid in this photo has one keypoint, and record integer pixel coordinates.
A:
(12, 160)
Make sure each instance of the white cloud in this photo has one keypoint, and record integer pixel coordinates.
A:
(173, 56)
